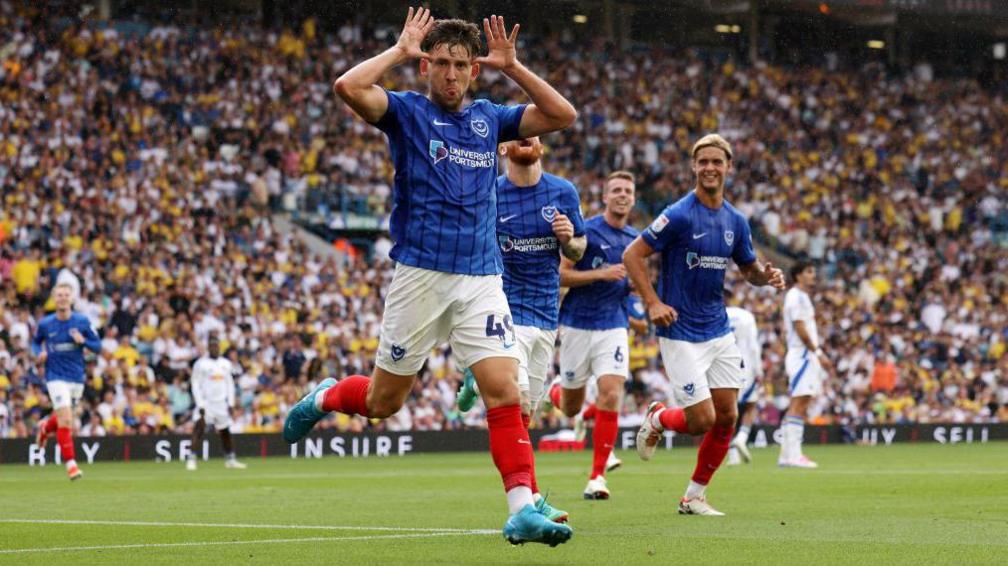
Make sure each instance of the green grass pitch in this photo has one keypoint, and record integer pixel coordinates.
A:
(908, 504)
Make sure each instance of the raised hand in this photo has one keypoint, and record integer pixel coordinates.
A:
(501, 52)
(418, 25)
(563, 229)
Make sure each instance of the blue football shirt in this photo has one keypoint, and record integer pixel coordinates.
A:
(530, 251)
(696, 244)
(444, 201)
(602, 304)
(64, 357)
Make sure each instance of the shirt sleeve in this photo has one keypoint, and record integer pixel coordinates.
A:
(91, 340)
(743, 254)
(661, 233)
(397, 106)
(508, 120)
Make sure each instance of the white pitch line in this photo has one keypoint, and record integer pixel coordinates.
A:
(231, 542)
(446, 530)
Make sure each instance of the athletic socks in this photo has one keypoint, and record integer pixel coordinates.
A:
(742, 436)
(712, 452)
(348, 396)
(794, 431)
(526, 419)
(590, 412)
(695, 490)
(51, 424)
(603, 439)
(512, 454)
(672, 418)
(554, 394)
(65, 440)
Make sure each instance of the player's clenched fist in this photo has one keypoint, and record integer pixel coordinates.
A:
(563, 229)
(614, 272)
(662, 314)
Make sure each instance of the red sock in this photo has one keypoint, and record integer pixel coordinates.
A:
(64, 437)
(51, 424)
(525, 422)
(589, 412)
(510, 446)
(603, 439)
(348, 396)
(673, 419)
(712, 452)
(554, 394)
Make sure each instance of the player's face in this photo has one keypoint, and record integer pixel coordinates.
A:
(523, 152)
(619, 196)
(214, 348)
(807, 278)
(711, 166)
(450, 70)
(62, 297)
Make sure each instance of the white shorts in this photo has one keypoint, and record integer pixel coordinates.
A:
(424, 308)
(216, 414)
(535, 356)
(749, 391)
(694, 368)
(588, 353)
(805, 373)
(64, 393)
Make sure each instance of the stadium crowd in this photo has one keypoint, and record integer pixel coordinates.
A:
(145, 167)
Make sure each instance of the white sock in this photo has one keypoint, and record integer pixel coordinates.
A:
(519, 497)
(797, 434)
(71, 463)
(785, 446)
(743, 434)
(794, 429)
(656, 422)
(695, 490)
(319, 398)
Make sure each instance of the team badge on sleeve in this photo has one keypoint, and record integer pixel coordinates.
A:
(659, 224)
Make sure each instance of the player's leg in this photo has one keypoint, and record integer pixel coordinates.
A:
(536, 348)
(694, 411)
(63, 395)
(804, 373)
(46, 429)
(794, 430)
(483, 339)
(221, 420)
(568, 394)
(413, 323)
(739, 451)
(610, 396)
(197, 437)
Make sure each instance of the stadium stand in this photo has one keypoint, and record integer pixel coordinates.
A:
(144, 162)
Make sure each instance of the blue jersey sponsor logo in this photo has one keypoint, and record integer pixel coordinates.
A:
(438, 151)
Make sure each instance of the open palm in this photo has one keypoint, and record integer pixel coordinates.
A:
(416, 28)
(501, 52)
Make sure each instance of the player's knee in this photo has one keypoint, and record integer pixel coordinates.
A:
(726, 418)
(609, 400)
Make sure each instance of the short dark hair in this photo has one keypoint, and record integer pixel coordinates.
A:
(451, 33)
(798, 267)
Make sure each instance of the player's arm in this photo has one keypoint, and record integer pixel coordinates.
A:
(37, 342)
(570, 276)
(639, 325)
(760, 274)
(196, 385)
(635, 259)
(572, 247)
(802, 331)
(549, 110)
(88, 338)
(357, 87)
